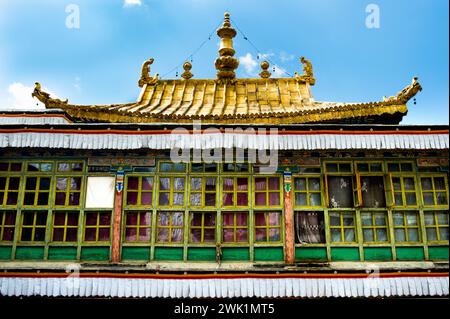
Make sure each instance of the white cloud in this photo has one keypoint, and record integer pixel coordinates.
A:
(19, 98)
(279, 72)
(286, 57)
(132, 3)
(77, 84)
(249, 63)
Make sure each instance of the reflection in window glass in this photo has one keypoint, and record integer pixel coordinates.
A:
(310, 228)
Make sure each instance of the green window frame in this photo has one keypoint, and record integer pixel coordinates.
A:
(202, 227)
(37, 191)
(375, 227)
(65, 228)
(97, 229)
(268, 230)
(138, 225)
(233, 192)
(13, 167)
(236, 168)
(171, 192)
(235, 228)
(370, 186)
(33, 226)
(344, 171)
(434, 190)
(271, 194)
(308, 191)
(200, 168)
(68, 191)
(343, 227)
(404, 190)
(437, 226)
(40, 167)
(7, 225)
(139, 191)
(9, 190)
(172, 225)
(203, 192)
(403, 167)
(407, 227)
(170, 167)
(70, 166)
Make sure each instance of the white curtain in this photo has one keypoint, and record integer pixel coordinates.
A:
(100, 192)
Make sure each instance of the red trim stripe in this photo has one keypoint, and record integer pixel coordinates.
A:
(192, 132)
(223, 276)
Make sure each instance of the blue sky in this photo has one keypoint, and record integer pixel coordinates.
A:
(99, 62)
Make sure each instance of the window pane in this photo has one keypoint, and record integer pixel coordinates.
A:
(133, 183)
(8, 234)
(274, 184)
(163, 235)
(210, 184)
(432, 234)
(179, 184)
(310, 228)
(242, 184)
(144, 234)
(44, 184)
(43, 199)
(380, 219)
(340, 190)
(105, 219)
(91, 219)
(382, 235)
(411, 219)
(177, 235)
(427, 184)
(132, 219)
(12, 198)
(335, 219)
(399, 219)
(336, 235)
(242, 199)
(228, 219)
(178, 199)
(444, 233)
(196, 236)
(439, 183)
(100, 192)
(90, 234)
(428, 198)
(196, 220)
(261, 199)
(166, 167)
(332, 167)
(58, 234)
(228, 235)
(372, 189)
(261, 235)
(242, 219)
(14, 183)
(396, 183)
(164, 184)
(400, 235)
(60, 219)
(104, 234)
(260, 219)
(274, 219)
(164, 219)
(210, 220)
(411, 199)
(242, 235)
(315, 199)
(26, 234)
(409, 184)
(74, 199)
(349, 235)
(413, 235)
(146, 199)
(177, 219)
(443, 218)
(196, 199)
(31, 183)
(349, 220)
(164, 199)
(39, 234)
(392, 167)
(131, 234)
(228, 184)
(210, 235)
(260, 184)
(196, 184)
(366, 219)
(2, 182)
(147, 183)
(228, 199)
(274, 199)
(300, 199)
(368, 235)
(210, 200)
(407, 167)
(441, 198)
(429, 219)
(41, 219)
(300, 184)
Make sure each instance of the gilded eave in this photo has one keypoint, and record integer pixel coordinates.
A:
(242, 101)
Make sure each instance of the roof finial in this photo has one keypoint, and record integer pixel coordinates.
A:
(265, 74)
(308, 76)
(226, 64)
(145, 74)
(187, 71)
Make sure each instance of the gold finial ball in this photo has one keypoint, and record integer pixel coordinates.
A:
(187, 66)
(265, 65)
(227, 15)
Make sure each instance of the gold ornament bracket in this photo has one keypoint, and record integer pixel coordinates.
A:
(145, 74)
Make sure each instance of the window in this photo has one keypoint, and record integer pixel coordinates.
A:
(307, 192)
(202, 227)
(437, 226)
(65, 226)
(434, 190)
(10, 167)
(343, 227)
(68, 191)
(375, 227)
(236, 168)
(170, 227)
(372, 191)
(37, 191)
(404, 191)
(309, 228)
(139, 191)
(9, 190)
(33, 226)
(7, 225)
(235, 228)
(406, 227)
(40, 167)
(70, 167)
(172, 167)
(100, 192)
(203, 192)
(340, 190)
(268, 227)
(235, 191)
(403, 167)
(203, 168)
(171, 191)
(267, 191)
(138, 227)
(97, 227)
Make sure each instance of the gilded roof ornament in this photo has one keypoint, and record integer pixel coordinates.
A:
(226, 64)
(145, 74)
(308, 73)
(406, 94)
(187, 71)
(44, 97)
(265, 74)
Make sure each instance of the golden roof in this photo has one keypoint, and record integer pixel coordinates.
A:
(229, 100)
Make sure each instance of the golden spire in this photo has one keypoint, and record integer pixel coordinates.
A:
(265, 74)
(226, 64)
